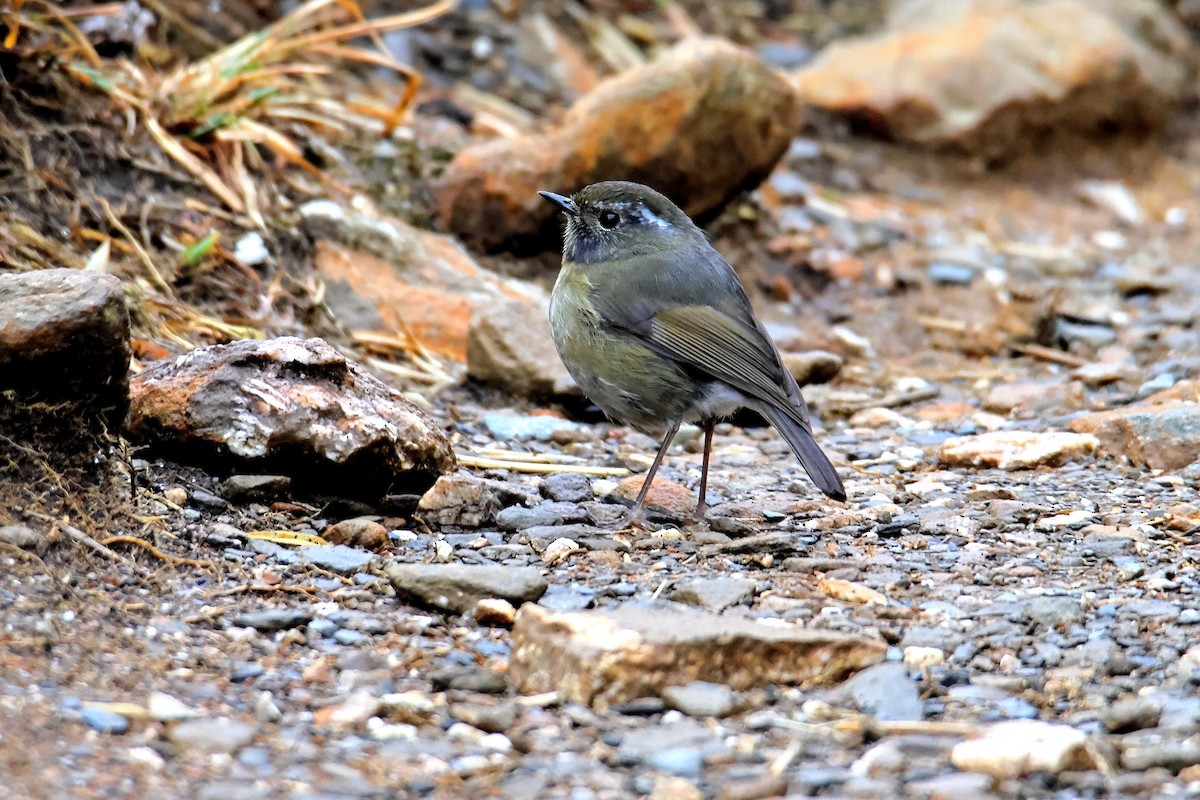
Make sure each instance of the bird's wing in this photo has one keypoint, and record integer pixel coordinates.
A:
(664, 308)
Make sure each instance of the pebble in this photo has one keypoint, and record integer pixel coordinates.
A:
(212, 735)
(495, 612)
(567, 488)
(349, 637)
(362, 532)
(701, 699)
(472, 679)
(167, 708)
(23, 536)
(519, 518)
(714, 594)
(251, 488)
(336, 558)
(459, 587)
(508, 427)
(103, 720)
(271, 620)
(885, 692)
(1051, 612)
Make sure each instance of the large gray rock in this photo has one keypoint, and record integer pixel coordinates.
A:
(64, 352)
(988, 75)
(632, 651)
(289, 406)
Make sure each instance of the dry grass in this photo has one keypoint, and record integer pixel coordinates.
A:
(232, 121)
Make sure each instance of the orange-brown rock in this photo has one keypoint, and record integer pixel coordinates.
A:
(700, 123)
(986, 74)
(289, 406)
(631, 651)
(386, 275)
(1162, 435)
(666, 500)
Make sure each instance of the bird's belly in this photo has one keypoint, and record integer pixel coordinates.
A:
(625, 379)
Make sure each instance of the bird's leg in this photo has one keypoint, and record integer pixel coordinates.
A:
(637, 514)
(702, 500)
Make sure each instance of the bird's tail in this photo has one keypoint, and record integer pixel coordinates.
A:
(812, 458)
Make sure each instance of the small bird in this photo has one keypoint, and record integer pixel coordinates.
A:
(656, 328)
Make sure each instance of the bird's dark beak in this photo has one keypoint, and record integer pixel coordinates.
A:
(564, 203)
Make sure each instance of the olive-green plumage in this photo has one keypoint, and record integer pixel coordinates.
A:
(657, 330)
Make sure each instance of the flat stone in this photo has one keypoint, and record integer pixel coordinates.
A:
(666, 500)
(813, 366)
(460, 499)
(251, 488)
(289, 406)
(567, 487)
(64, 353)
(631, 651)
(24, 537)
(460, 587)
(336, 558)
(469, 679)
(103, 720)
(275, 619)
(212, 735)
(1131, 714)
(1017, 748)
(1015, 449)
(714, 594)
(514, 427)
(885, 692)
(1053, 611)
(519, 518)
(701, 699)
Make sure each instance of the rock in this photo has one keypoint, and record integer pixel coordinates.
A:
(360, 532)
(1172, 756)
(701, 699)
(64, 355)
(1131, 714)
(988, 75)
(167, 708)
(24, 537)
(103, 720)
(389, 276)
(1015, 449)
(271, 620)
(459, 587)
(815, 366)
(1033, 398)
(678, 747)
(469, 679)
(291, 406)
(251, 488)
(923, 657)
(495, 611)
(539, 427)
(1164, 436)
(460, 499)
(700, 123)
(212, 735)
(666, 500)
(1115, 197)
(567, 487)
(1019, 747)
(520, 518)
(885, 692)
(353, 712)
(335, 558)
(631, 651)
(1053, 611)
(714, 594)
(674, 788)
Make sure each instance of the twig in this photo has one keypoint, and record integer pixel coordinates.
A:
(480, 462)
(83, 538)
(263, 587)
(1047, 354)
(191, 562)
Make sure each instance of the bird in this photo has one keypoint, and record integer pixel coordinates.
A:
(656, 329)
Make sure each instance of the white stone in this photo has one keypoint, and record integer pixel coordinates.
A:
(1020, 747)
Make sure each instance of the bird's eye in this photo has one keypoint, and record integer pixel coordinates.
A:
(609, 220)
